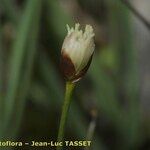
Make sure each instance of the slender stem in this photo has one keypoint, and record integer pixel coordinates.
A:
(68, 93)
(91, 129)
(90, 132)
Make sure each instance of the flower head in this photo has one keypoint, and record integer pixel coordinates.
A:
(77, 51)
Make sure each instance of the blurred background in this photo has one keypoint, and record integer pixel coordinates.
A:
(111, 104)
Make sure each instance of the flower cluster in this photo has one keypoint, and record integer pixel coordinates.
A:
(77, 51)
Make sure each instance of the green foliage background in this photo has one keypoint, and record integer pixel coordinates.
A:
(32, 87)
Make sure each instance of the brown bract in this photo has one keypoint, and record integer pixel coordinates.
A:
(68, 68)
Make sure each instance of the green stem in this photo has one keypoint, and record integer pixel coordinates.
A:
(68, 93)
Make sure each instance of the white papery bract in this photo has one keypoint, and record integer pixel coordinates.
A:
(79, 46)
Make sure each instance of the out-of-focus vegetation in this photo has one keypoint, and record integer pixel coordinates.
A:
(32, 87)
